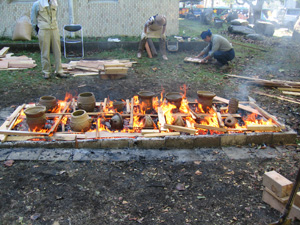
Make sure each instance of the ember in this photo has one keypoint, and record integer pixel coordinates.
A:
(144, 115)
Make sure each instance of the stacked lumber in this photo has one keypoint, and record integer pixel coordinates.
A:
(107, 69)
(10, 62)
(276, 193)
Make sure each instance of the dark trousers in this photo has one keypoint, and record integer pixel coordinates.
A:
(162, 46)
(224, 57)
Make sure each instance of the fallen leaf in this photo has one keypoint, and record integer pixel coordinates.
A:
(9, 163)
(35, 216)
(198, 172)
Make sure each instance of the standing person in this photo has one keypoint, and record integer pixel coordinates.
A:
(44, 23)
(155, 27)
(219, 48)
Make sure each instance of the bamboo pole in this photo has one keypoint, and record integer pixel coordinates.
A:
(277, 97)
(260, 49)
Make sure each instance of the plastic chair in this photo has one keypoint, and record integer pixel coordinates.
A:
(68, 33)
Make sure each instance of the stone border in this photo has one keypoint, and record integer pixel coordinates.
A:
(178, 142)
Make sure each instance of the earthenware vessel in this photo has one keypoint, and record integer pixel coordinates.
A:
(178, 121)
(148, 122)
(146, 99)
(206, 99)
(118, 106)
(80, 121)
(86, 101)
(49, 102)
(174, 98)
(36, 117)
(116, 122)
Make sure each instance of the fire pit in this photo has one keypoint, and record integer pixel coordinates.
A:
(165, 124)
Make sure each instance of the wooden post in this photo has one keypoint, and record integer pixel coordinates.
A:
(152, 47)
(148, 50)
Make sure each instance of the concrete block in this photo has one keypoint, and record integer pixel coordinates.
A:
(56, 155)
(114, 143)
(277, 183)
(259, 138)
(150, 143)
(238, 153)
(284, 138)
(88, 155)
(233, 139)
(93, 144)
(205, 141)
(25, 154)
(4, 153)
(182, 142)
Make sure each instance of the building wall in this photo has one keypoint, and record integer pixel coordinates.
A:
(99, 19)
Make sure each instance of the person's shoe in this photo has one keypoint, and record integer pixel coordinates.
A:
(165, 57)
(139, 55)
(224, 67)
(46, 76)
(61, 75)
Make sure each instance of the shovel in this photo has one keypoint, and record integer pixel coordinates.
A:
(284, 218)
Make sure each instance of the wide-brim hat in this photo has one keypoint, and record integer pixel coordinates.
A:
(160, 20)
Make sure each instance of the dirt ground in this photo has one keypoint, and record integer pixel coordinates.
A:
(150, 192)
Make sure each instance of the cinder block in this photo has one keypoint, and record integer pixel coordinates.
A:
(150, 143)
(233, 139)
(179, 142)
(114, 143)
(277, 183)
(205, 141)
(259, 138)
(284, 138)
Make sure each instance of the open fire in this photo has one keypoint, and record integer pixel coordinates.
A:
(145, 115)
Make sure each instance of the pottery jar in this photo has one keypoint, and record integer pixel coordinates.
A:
(116, 122)
(49, 102)
(146, 99)
(80, 121)
(206, 99)
(174, 98)
(86, 101)
(35, 117)
(118, 106)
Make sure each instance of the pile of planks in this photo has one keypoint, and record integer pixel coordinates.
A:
(10, 62)
(276, 193)
(107, 69)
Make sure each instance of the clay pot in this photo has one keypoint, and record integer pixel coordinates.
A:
(148, 122)
(49, 102)
(174, 98)
(80, 121)
(116, 122)
(118, 106)
(205, 99)
(178, 121)
(36, 117)
(146, 99)
(230, 121)
(86, 101)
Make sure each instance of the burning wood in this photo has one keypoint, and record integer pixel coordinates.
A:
(137, 118)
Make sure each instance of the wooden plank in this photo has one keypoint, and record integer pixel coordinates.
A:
(206, 127)
(221, 123)
(193, 60)
(181, 129)
(289, 89)
(277, 183)
(162, 134)
(161, 119)
(116, 70)
(148, 50)
(290, 93)
(3, 65)
(22, 133)
(131, 114)
(273, 202)
(283, 200)
(3, 51)
(87, 68)
(149, 131)
(263, 128)
(127, 106)
(85, 74)
(267, 115)
(297, 199)
(277, 97)
(244, 107)
(59, 119)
